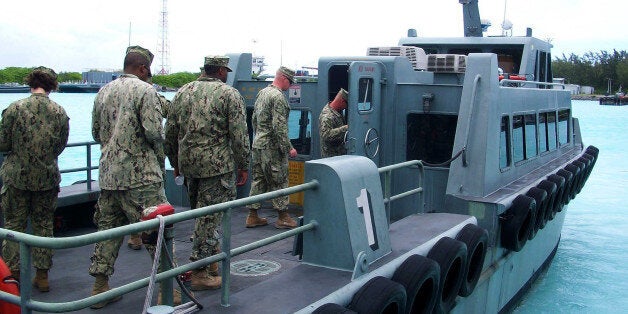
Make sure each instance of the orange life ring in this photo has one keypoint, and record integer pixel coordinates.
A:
(10, 285)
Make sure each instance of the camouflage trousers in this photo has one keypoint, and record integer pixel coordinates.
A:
(18, 206)
(207, 229)
(119, 208)
(269, 172)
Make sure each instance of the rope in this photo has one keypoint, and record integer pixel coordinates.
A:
(446, 163)
(151, 283)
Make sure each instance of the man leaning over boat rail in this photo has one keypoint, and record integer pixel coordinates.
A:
(34, 131)
(207, 142)
(126, 121)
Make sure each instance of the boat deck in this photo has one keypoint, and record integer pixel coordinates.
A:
(69, 278)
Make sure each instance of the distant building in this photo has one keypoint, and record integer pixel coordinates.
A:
(573, 88)
(588, 90)
(99, 76)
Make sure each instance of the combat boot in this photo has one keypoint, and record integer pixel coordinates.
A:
(213, 269)
(252, 220)
(135, 242)
(102, 285)
(40, 281)
(284, 221)
(201, 280)
(176, 298)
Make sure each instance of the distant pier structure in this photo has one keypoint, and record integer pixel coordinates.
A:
(163, 48)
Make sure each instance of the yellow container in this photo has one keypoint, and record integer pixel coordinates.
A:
(296, 176)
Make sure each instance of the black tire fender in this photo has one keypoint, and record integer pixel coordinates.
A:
(332, 308)
(420, 276)
(540, 197)
(451, 256)
(517, 222)
(550, 188)
(568, 175)
(575, 172)
(476, 240)
(581, 163)
(561, 185)
(379, 295)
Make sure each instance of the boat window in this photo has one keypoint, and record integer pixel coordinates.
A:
(543, 147)
(338, 78)
(530, 136)
(430, 137)
(551, 130)
(365, 94)
(300, 130)
(517, 138)
(563, 127)
(463, 51)
(504, 143)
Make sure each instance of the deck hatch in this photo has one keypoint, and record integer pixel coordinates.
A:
(254, 267)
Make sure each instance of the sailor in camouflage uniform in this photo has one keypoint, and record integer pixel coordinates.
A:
(332, 127)
(127, 122)
(34, 131)
(271, 147)
(207, 142)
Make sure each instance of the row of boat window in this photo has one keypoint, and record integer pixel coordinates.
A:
(526, 136)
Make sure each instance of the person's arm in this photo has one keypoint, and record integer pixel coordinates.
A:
(151, 117)
(281, 111)
(6, 133)
(64, 133)
(171, 145)
(238, 131)
(96, 119)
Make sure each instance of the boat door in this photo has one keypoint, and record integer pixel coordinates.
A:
(364, 110)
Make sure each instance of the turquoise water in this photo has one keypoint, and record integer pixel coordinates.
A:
(587, 274)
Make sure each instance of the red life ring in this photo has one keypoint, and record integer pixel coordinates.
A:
(10, 285)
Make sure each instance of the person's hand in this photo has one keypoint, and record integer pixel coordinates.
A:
(293, 153)
(243, 175)
(176, 172)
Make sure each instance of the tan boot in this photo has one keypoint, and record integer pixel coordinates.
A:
(176, 298)
(203, 281)
(213, 269)
(41, 280)
(135, 242)
(102, 285)
(284, 221)
(252, 220)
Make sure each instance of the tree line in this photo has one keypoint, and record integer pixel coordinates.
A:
(594, 69)
(591, 69)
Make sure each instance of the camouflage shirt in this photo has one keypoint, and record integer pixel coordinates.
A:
(206, 132)
(34, 131)
(270, 120)
(332, 129)
(126, 121)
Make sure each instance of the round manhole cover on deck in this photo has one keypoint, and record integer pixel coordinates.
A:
(254, 267)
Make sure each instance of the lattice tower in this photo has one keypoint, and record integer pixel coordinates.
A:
(163, 46)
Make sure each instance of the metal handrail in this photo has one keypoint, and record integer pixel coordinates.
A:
(387, 171)
(521, 83)
(88, 168)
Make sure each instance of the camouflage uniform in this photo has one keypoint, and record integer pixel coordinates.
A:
(332, 129)
(207, 140)
(126, 121)
(271, 145)
(34, 131)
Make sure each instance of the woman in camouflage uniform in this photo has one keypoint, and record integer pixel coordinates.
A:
(34, 131)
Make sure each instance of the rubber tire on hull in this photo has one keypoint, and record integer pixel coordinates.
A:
(568, 183)
(540, 197)
(379, 295)
(550, 188)
(581, 163)
(451, 256)
(558, 200)
(575, 172)
(476, 240)
(332, 308)
(587, 168)
(517, 223)
(420, 277)
(590, 167)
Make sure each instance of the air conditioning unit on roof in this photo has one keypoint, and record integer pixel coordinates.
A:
(416, 55)
(446, 63)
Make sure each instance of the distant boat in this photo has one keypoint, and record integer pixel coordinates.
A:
(80, 87)
(14, 88)
(619, 99)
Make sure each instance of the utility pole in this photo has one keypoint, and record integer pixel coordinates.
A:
(163, 45)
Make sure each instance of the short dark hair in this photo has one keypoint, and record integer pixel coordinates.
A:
(134, 60)
(211, 69)
(39, 78)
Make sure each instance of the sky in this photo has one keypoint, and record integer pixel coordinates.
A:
(76, 36)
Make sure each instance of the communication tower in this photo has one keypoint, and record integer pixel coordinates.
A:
(163, 48)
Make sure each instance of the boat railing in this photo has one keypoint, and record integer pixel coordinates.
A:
(165, 277)
(520, 83)
(387, 189)
(88, 162)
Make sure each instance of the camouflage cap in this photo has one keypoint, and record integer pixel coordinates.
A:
(47, 71)
(344, 94)
(289, 73)
(219, 61)
(142, 51)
